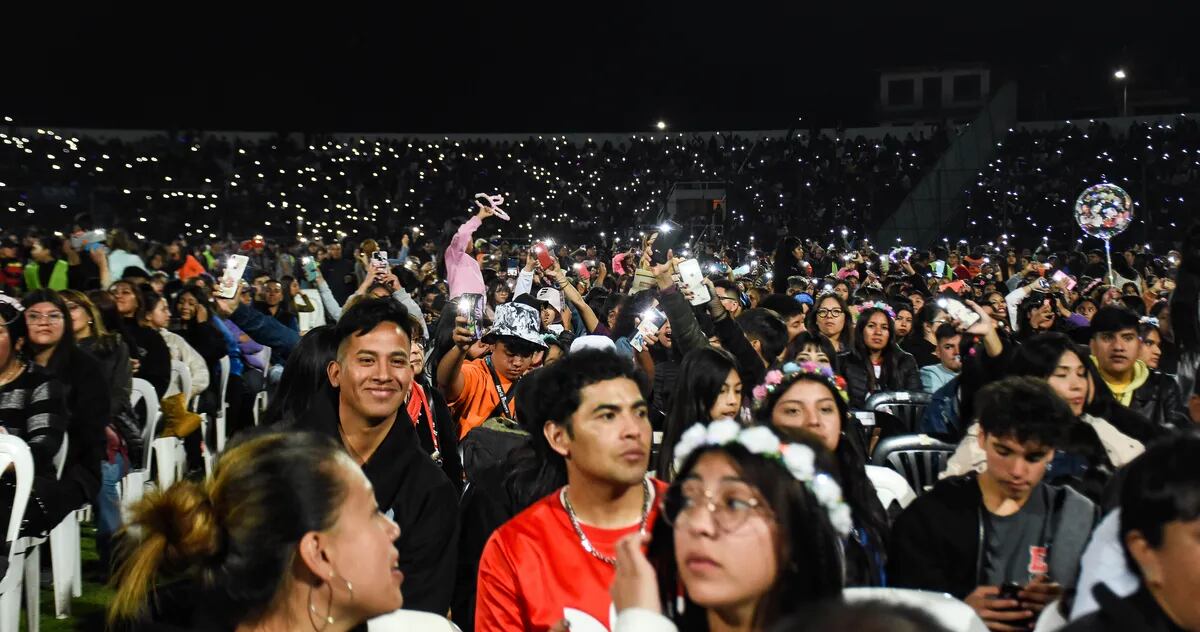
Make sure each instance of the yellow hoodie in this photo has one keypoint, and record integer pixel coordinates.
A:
(1124, 391)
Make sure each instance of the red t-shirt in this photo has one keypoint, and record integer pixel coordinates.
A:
(534, 569)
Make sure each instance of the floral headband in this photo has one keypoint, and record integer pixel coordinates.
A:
(880, 305)
(799, 459)
(776, 378)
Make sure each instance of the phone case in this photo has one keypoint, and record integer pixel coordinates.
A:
(693, 281)
(234, 267)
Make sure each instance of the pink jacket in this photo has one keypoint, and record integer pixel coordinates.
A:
(462, 271)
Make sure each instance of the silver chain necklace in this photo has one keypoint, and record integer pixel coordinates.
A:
(585, 542)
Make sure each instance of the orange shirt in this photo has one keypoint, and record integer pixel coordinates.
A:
(534, 570)
(478, 397)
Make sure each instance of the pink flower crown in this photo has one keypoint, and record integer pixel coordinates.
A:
(880, 305)
(782, 378)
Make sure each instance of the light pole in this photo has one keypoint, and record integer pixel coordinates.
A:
(1120, 75)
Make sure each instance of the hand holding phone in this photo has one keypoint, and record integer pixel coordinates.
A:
(235, 266)
(965, 316)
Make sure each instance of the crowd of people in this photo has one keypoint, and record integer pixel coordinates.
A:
(653, 437)
(1037, 175)
(197, 185)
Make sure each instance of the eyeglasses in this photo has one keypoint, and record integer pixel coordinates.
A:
(37, 317)
(829, 313)
(729, 298)
(730, 505)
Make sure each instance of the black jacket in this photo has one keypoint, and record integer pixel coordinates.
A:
(900, 373)
(921, 349)
(421, 499)
(1138, 611)
(937, 543)
(1159, 401)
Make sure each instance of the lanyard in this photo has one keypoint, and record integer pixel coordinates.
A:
(418, 404)
(499, 389)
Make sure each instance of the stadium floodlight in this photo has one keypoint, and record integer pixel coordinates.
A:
(661, 125)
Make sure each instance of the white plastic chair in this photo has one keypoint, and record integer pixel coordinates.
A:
(260, 399)
(408, 620)
(1051, 619)
(308, 320)
(66, 563)
(950, 612)
(890, 486)
(14, 451)
(223, 407)
(133, 484)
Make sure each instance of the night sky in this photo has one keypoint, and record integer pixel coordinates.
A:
(422, 68)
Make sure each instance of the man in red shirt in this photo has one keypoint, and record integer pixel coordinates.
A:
(554, 561)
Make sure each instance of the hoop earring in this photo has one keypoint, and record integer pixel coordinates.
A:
(312, 608)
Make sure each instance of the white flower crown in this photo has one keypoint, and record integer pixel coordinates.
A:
(799, 459)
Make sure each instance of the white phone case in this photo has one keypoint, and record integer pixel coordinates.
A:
(234, 267)
(692, 280)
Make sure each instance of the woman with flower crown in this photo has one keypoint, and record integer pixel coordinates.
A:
(877, 364)
(749, 535)
(812, 398)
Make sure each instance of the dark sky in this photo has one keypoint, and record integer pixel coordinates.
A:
(433, 67)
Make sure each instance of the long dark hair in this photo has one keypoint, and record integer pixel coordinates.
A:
(701, 376)
(65, 347)
(304, 377)
(846, 338)
(890, 354)
(1039, 355)
(806, 547)
(850, 457)
(926, 316)
(533, 472)
(236, 533)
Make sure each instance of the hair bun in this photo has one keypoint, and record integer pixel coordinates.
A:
(184, 518)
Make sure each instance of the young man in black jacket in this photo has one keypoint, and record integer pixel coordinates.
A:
(1160, 535)
(1002, 540)
(364, 409)
(1116, 348)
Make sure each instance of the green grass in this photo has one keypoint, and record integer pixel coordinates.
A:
(87, 612)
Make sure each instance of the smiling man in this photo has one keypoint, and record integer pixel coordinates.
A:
(1116, 349)
(555, 560)
(371, 376)
(973, 535)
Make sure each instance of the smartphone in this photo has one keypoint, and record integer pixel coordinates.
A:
(1010, 590)
(693, 281)
(512, 266)
(652, 320)
(379, 260)
(1060, 275)
(543, 255)
(470, 306)
(963, 314)
(310, 269)
(669, 233)
(235, 266)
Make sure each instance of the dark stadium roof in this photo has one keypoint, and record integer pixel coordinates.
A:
(599, 67)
